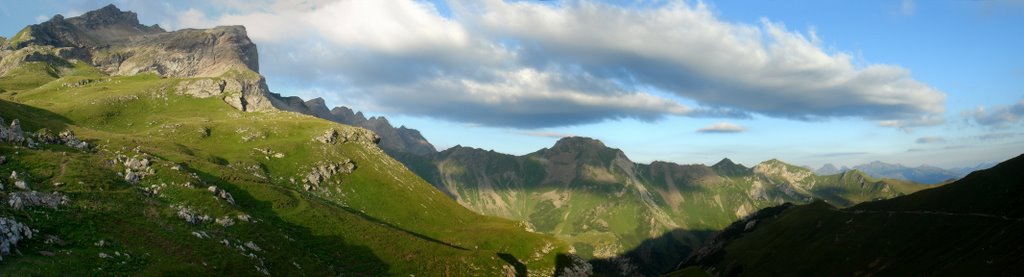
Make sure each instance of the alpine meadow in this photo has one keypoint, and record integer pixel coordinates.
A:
(511, 138)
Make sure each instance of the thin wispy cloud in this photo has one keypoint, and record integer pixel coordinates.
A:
(997, 136)
(546, 134)
(722, 128)
(840, 154)
(998, 116)
(927, 140)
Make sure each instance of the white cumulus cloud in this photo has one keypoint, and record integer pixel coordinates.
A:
(529, 64)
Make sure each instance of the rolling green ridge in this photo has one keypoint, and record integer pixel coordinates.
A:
(631, 218)
(221, 191)
(970, 227)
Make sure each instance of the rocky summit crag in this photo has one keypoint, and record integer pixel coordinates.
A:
(136, 151)
(220, 62)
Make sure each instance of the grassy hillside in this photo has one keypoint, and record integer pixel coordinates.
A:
(380, 219)
(969, 227)
(625, 214)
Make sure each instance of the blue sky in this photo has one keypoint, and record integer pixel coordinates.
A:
(809, 82)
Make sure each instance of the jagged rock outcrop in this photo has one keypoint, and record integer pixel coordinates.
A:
(67, 137)
(191, 217)
(222, 194)
(136, 168)
(323, 171)
(333, 136)
(14, 133)
(11, 232)
(573, 266)
(3, 130)
(21, 199)
(393, 140)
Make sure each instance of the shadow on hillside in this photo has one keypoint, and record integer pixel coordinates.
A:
(32, 118)
(833, 195)
(342, 258)
(400, 229)
(515, 263)
(654, 256)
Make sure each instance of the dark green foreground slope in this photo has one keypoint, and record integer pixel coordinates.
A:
(971, 227)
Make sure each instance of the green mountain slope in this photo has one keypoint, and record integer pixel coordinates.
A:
(968, 227)
(180, 176)
(605, 205)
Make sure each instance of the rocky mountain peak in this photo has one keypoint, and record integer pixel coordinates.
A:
(779, 169)
(727, 167)
(106, 17)
(578, 143)
(103, 27)
(583, 150)
(828, 169)
(318, 107)
(725, 162)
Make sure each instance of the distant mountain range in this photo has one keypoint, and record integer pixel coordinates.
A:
(924, 174)
(617, 211)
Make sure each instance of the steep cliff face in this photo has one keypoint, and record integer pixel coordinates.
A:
(114, 42)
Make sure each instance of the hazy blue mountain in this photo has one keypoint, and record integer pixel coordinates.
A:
(925, 174)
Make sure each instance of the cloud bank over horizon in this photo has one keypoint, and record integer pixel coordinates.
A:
(535, 65)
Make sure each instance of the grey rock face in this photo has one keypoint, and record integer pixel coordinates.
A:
(191, 217)
(67, 137)
(325, 170)
(328, 137)
(11, 232)
(136, 168)
(21, 199)
(575, 267)
(137, 163)
(46, 136)
(225, 221)
(202, 88)
(114, 42)
(14, 133)
(222, 194)
(332, 136)
(132, 177)
(3, 130)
